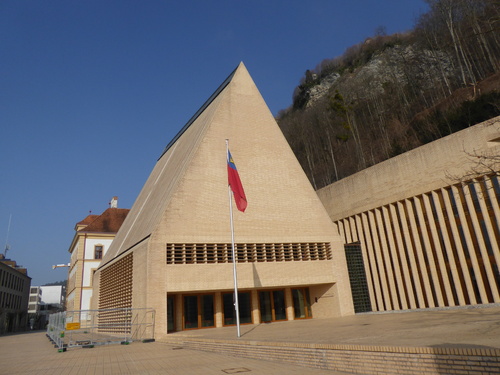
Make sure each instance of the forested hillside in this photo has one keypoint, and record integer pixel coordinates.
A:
(392, 93)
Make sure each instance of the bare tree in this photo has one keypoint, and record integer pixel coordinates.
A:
(395, 92)
(482, 163)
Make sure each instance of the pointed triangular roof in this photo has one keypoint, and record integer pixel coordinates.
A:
(186, 199)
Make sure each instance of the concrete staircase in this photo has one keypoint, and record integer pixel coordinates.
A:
(356, 359)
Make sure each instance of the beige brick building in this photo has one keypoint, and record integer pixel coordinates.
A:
(173, 252)
(419, 237)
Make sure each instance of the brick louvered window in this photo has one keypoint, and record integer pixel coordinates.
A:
(202, 253)
(115, 293)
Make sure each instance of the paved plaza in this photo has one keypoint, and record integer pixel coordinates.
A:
(32, 353)
(470, 327)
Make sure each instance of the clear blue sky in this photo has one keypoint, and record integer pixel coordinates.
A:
(92, 91)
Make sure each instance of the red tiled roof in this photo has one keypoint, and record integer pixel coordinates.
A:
(87, 220)
(108, 222)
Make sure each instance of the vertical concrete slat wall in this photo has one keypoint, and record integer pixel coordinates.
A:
(494, 202)
(417, 285)
(347, 231)
(480, 240)
(374, 273)
(466, 231)
(423, 271)
(489, 226)
(395, 259)
(421, 253)
(340, 227)
(412, 284)
(454, 281)
(407, 295)
(388, 262)
(446, 194)
(428, 221)
(352, 223)
(438, 250)
(431, 261)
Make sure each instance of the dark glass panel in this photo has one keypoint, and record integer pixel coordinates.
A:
(170, 314)
(190, 312)
(279, 305)
(266, 312)
(207, 310)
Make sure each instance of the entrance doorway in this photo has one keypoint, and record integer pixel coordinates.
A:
(245, 307)
(301, 303)
(272, 305)
(198, 311)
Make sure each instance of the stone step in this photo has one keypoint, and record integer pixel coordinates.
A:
(358, 359)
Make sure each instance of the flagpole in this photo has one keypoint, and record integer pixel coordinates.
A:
(236, 304)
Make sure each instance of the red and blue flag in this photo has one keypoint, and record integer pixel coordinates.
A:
(235, 183)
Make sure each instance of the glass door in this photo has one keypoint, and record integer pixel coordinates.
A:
(245, 307)
(301, 305)
(245, 302)
(190, 312)
(170, 314)
(198, 311)
(207, 310)
(279, 305)
(272, 305)
(266, 308)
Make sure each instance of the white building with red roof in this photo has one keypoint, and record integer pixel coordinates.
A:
(93, 237)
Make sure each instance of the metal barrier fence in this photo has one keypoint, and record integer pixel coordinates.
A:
(86, 328)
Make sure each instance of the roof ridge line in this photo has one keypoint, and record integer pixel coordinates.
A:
(212, 97)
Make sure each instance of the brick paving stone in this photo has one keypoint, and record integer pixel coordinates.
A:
(32, 353)
(460, 328)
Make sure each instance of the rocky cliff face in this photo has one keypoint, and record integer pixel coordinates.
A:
(392, 93)
(318, 91)
(386, 102)
(399, 65)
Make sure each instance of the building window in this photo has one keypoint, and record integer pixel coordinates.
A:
(98, 251)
